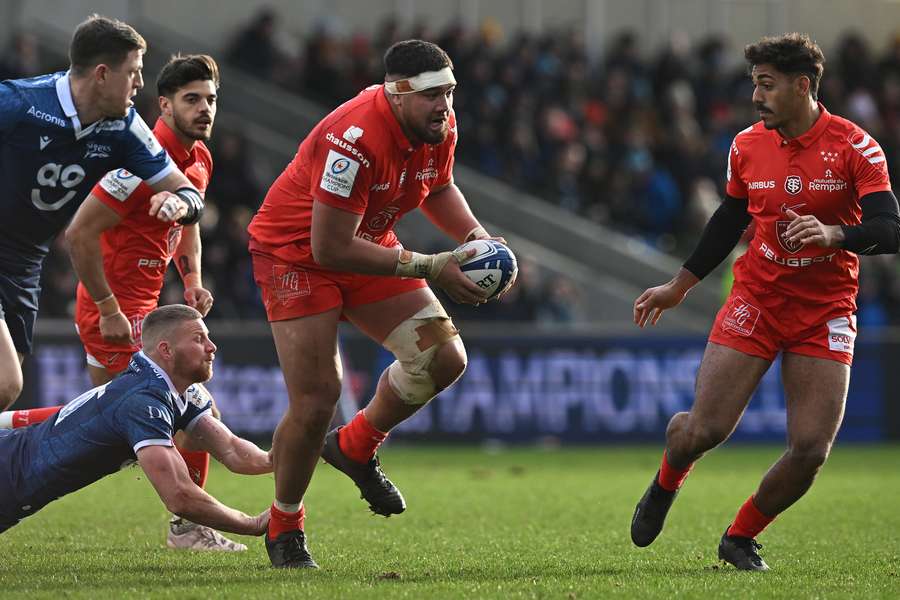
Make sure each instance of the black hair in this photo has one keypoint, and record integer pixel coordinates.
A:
(411, 57)
(182, 70)
(792, 54)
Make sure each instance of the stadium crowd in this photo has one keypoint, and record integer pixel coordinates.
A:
(630, 140)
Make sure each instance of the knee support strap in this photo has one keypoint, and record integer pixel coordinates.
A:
(414, 343)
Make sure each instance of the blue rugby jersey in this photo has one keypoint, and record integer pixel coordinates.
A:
(49, 162)
(94, 435)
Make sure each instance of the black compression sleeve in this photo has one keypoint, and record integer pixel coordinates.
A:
(720, 236)
(879, 232)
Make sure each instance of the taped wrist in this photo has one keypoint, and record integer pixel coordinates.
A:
(194, 202)
(423, 266)
(720, 236)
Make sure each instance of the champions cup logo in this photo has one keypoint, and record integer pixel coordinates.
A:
(340, 165)
(793, 185)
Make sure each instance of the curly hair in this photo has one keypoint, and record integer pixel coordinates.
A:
(792, 54)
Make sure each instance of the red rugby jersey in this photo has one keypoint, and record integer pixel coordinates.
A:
(824, 173)
(356, 159)
(137, 251)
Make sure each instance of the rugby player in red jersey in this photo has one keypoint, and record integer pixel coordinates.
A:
(324, 249)
(121, 254)
(817, 188)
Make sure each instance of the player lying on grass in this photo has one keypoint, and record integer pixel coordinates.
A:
(134, 417)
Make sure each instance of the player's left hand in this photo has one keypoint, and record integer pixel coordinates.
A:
(259, 524)
(807, 230)
(199, 298)
(167, 207)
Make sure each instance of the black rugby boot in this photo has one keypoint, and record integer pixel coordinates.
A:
(741, 552)
(375, 488)
(288, 551)
(650, 513)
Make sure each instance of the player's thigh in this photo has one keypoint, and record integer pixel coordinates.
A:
(378, 319)
(10, 360)
(726, 380)
(308, 354)
(815, 395)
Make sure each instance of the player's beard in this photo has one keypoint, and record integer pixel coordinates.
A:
(186, 127)
(196, 373)
(426, 135)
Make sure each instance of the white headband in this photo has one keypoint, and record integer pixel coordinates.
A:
(422, 81)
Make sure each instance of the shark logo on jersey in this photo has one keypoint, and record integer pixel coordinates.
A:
(118, 125)
(97, 151)
(44, 141)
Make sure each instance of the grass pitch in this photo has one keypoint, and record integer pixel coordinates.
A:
(521, 523)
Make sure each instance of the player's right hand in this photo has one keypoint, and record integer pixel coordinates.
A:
(650, 305)
(116, 329)
(454, 282)
(167, 207)
(259, 524)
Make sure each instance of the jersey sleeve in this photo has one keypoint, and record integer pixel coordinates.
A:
(342, 174)
(867, 163)
(145, 420)
(122, 191)
(144, 155)
(446, 157)
(735, 186)
(199, 403)
(11, 107)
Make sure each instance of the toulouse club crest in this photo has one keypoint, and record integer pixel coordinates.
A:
(793, 185)
(780, 228)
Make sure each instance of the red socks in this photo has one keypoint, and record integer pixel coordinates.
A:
(358, 440)
(280, 521)
(197, 464)
(670, 478)
(23, 418)
(749, 522)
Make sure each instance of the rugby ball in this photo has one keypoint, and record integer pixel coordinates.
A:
(493, 267)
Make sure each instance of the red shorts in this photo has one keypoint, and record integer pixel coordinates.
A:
(764, 324)
(290, 291)
(100, 353)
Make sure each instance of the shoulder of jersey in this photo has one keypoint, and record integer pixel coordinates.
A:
(845, 132)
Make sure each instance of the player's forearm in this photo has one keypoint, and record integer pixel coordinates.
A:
(355, 255)
(245, 458)
(194, 504)
(187, 256)
(450, 212)
(87, 260)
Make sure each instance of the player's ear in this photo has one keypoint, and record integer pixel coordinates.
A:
(802, 83)
(165, 105)
(100, 73)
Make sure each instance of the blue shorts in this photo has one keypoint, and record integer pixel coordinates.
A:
(10, 457)
(19, 294)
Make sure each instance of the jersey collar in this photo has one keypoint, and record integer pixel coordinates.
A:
(170, 142)
(64, 93)
(384, 107)
(814, 132)
(182, 403)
